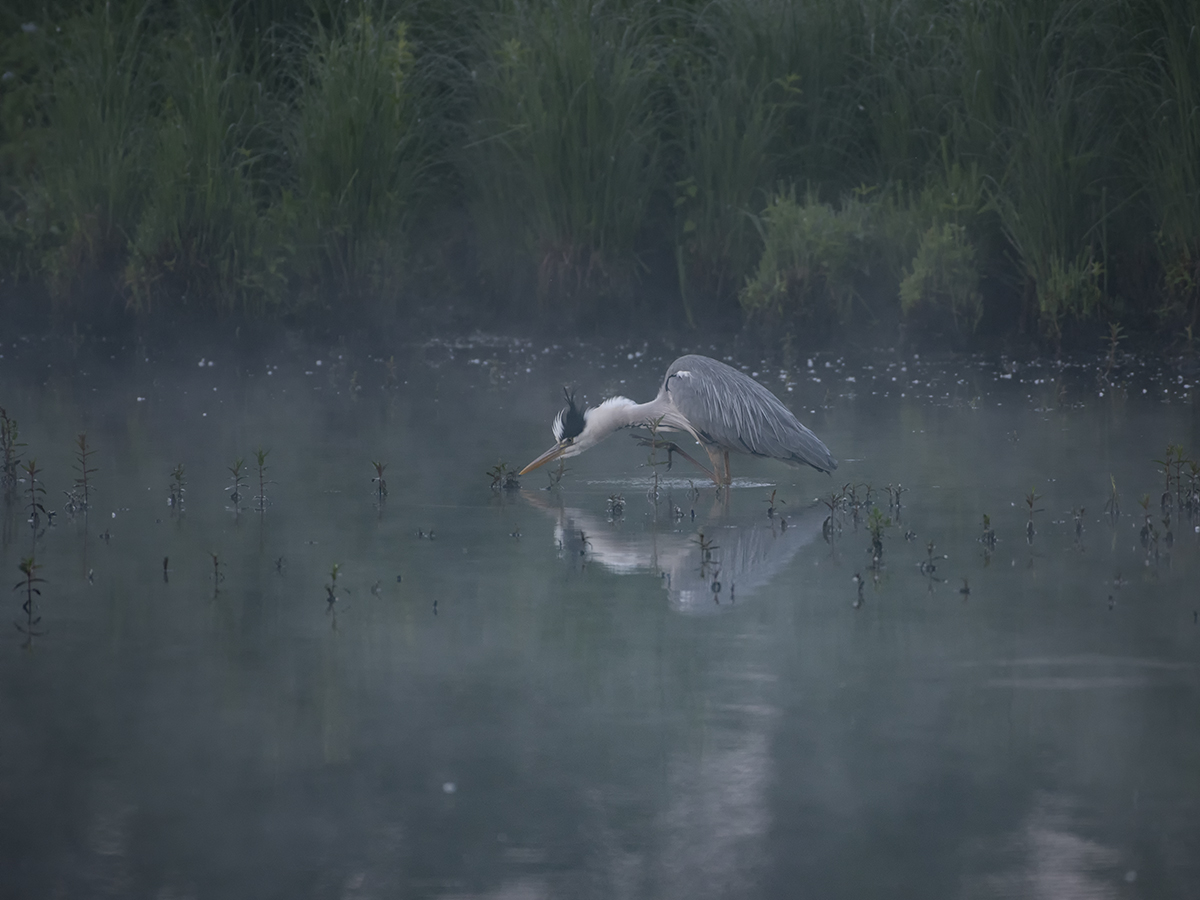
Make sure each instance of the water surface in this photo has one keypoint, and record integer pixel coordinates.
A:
(575, 690)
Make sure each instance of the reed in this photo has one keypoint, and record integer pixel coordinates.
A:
(1031, 500)
(1036, 160)
(730, 92)
(177, 489)
(380, 482)
(35, 491)
(361, 144)
(217, 575)
(1051, 143)
(1165, 160)
(331, 589)
(95, 74)
(203, 229)
(261, 502)
(562, 152)
(10, 454)
(83, 481)
(237, 489)
(28, 586)
(876, 523)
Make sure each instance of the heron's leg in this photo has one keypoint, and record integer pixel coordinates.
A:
(718, 473)
(672, 447)
(728, 475)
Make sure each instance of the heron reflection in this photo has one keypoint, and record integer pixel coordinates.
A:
(721, 560)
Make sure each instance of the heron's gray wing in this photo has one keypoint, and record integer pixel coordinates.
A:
(730, 409)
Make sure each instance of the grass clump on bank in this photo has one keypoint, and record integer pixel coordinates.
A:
(730, 90)
(1025, 166)
(90, 90)
(943, 283)
(561, 159)
(190, 162)
(816, 263)
(1166, 87)
(360, 153)
(206, 206)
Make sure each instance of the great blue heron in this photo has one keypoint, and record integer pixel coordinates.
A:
(716, 404)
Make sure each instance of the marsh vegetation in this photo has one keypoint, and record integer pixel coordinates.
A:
(796, 167)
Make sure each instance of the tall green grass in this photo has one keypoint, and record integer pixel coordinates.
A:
(361, 146)
(729, 161)
(96, 89)
(1166, 158)
(1051, 154)
(202, 224)
(1021, 95)
(562, 157)
(730, 96)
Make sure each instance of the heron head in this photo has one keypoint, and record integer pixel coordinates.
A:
(570, 435)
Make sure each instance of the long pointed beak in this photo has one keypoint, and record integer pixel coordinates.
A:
(549, 456)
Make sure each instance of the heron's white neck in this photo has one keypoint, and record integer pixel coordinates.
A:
(621, 412)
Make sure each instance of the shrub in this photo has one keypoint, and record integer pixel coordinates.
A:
(814, 260)
(1069, 289)
(943, 282)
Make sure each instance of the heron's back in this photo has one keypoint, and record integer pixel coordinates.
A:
(728, 408)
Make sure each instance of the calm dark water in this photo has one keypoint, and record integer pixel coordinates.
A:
(557, 692)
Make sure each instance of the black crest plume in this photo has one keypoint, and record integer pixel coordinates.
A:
(569, 422)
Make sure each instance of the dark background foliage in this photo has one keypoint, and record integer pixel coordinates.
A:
(800, 170)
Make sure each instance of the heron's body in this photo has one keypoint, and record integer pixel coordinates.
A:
(722, 408)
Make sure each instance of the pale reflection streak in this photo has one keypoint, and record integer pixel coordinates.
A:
(1052, 862)
(718, 808)
(108, 836)
(1085, 672)
(719, 811)
(746, 554)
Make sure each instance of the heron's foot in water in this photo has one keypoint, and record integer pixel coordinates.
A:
(656, 443)
(672, 448)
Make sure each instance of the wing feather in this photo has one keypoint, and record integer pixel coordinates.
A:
(733, 411)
